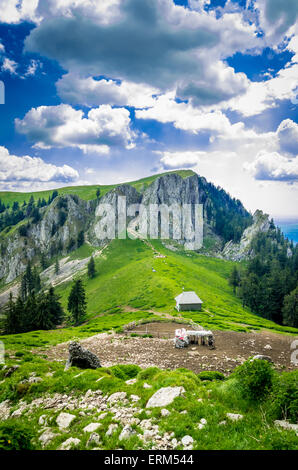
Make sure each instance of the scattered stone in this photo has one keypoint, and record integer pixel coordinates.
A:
(222, 423)
(200, 426)
(234, 416)
(268, 347)
(135, 397)
(118, 396)
(80, 357)
(17, 413)
(286, 425)
(131, 381)
(42, 420)
(203, 421)
(164, 412)
(184, 412)
(93, 439)
(200, 400)
(46, 437)
(49, 374)
(69, 443)
(64, 420)
(187, 441)
(262, 357)
(112, 428)
(164, 396)
(126, 433)
(34, 380)
(10, 371)
(147, 386)
(4, 410)
(102, 416)
(92, 427)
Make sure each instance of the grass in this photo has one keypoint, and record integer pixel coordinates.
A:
(256, 431)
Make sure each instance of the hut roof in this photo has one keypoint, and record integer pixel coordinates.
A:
(188, 298)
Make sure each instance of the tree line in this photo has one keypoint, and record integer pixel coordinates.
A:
(37, 309)
(268, 285)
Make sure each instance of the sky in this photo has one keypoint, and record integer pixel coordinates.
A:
(109, 91)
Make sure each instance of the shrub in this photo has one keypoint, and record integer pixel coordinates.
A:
(284, 397)
(255, 379)
(211, 375)
(125, 371)
(15, 436)
(148, 373)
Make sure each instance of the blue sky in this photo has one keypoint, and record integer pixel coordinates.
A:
(110, 91)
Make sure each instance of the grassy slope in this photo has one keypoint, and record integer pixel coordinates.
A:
(84, 192)
(126, 289)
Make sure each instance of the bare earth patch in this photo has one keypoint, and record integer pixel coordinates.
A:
(232, 348)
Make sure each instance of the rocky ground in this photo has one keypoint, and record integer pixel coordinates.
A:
(232, 349)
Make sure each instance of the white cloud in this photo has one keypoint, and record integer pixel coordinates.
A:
(273, 167)
(63, 126)
(87, 91)
(14, 11)
(9, 66)
(17, 171)
(277, 17)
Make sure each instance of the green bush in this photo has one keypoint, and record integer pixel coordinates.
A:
(255, 378)
(148, 373)
(125, 371)
(15, 436)
(211, 375)
(284, 397)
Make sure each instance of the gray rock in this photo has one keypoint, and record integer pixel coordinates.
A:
(234, 416)
(126, 433)
(80, 357)
(10, 371)
(46, 437)
(112, 428)
(93, 439)
(164, 412)
(262, 358)
(64, 420)
(286, 425)
(92, 427)
(118, 396)
(164, 396)
(187, 441)
(70, 443)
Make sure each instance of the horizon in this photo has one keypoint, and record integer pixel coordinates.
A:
(78, 113)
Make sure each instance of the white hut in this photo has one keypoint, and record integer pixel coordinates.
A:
(188, 301)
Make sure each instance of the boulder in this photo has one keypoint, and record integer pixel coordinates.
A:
(80, 357)
(126, 433)
(187, 441)
(64, 420)
(286, 425)
(92, 427)
(262, 358)
(118, 396)
(164, 396)
(70, 443)
(46, 437)
(93, 439)
(234, 416)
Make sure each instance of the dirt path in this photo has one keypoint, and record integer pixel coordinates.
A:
(232, 348)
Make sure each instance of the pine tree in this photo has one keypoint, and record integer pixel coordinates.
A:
(77, 302)
(57, 267)
(91, 268)
(80, 239)
(234, 279)
(290, 309)
(12, 320)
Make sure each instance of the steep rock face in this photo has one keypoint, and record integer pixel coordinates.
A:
(243, 249)
(61, 222)
(104, 225)
(68, 215)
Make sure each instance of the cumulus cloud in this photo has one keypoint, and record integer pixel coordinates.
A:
(88, 91)
(277, 17)
(273, 167)
(288, 136)
(153, 42)
(63, 126)
(17, 171)
(14, 11)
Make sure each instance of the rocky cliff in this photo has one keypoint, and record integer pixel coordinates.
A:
(57, 232)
